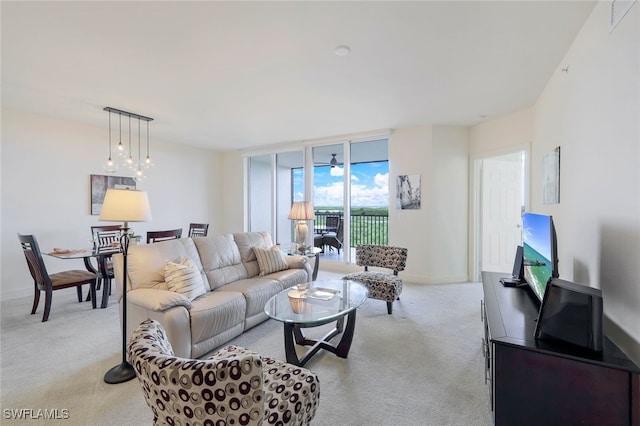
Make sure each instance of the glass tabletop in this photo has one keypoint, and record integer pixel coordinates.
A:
(82, 253)
(316, 302)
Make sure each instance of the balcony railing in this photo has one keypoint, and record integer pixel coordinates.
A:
(365, 228)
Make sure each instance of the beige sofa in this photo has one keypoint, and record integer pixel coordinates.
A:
(235, 296)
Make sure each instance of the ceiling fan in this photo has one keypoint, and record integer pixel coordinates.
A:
(333, 162)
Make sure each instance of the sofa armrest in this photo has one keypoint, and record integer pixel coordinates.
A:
(157, 300)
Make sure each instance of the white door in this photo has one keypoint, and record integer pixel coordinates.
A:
(502, 203)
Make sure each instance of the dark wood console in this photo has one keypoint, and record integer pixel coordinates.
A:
(533, 382)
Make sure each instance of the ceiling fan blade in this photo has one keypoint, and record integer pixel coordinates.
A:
(333, 162)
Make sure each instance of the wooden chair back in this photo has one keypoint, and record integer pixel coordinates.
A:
(32, 254)
(198, 230)
(157, 236)
(107, 237)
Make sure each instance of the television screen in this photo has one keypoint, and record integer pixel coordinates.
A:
(539, 251)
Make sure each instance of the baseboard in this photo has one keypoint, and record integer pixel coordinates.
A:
(624, 340)
(346, 268)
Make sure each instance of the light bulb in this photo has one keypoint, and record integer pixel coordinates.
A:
(110, 166)
(148, 162)
(139, 176)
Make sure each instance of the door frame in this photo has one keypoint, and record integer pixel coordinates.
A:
(475, 201)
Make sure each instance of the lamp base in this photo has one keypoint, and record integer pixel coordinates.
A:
(120, 373)
(301, 232)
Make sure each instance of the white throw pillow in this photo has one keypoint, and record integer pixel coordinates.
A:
(270, 260)
(184, 277)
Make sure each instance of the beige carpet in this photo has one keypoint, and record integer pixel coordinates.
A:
(420, 366)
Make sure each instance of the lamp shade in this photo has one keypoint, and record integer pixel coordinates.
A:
(125, 205)
(301, 210)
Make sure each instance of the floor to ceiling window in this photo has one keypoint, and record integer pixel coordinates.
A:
(260, 193)
(348, 188)
(369, 194)
(271, 182)
(350, 185)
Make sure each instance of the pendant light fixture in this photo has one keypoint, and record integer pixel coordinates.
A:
(147, 162)
(127, 155)
(121, 150)
(129, 160)
(110, 166)
(139, 176)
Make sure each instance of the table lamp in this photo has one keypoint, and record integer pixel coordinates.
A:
(301, 211)
(124, 205)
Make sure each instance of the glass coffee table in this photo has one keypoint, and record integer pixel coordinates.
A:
(314, 304)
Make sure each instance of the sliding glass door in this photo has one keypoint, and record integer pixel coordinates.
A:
(271, 182)
(261, 196)
(348, 187)
(351, 194)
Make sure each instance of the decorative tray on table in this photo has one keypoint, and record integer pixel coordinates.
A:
(317, 293)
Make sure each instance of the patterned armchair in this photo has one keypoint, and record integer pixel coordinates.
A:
(382, 285)
(233, 387)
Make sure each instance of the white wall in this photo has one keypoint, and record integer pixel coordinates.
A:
(410, 153)
(502, 135)
(46, 165)
(436, 234)
(449, 204)
(593, 113)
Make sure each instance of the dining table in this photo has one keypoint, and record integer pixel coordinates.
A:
(102, 256)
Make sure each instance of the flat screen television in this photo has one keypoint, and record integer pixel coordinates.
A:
(540, 251)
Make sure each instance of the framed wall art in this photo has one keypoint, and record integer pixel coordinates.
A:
(408, 192)
(551, 177)
(100, 184)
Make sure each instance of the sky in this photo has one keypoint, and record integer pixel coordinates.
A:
(537, 233)
(369, 185)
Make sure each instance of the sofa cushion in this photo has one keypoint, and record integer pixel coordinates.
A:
(145, 262)
(184, 277)
(290, 277)
(214, 313)
(220, 259)
(246, 241)
(257, 291)
(270, 260)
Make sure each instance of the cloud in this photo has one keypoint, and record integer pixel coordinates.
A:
(381, 180)
(361, 195)
(337, 171)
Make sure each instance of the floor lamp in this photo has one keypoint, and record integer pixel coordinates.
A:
(301, 211)
(124, 205)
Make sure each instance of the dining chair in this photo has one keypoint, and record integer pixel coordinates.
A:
(198, 229)
(157, 236)
(43, 281)
(106, 239)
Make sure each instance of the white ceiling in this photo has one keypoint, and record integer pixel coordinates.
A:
(230, 75)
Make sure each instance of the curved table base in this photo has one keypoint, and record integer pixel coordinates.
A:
(293, 335)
